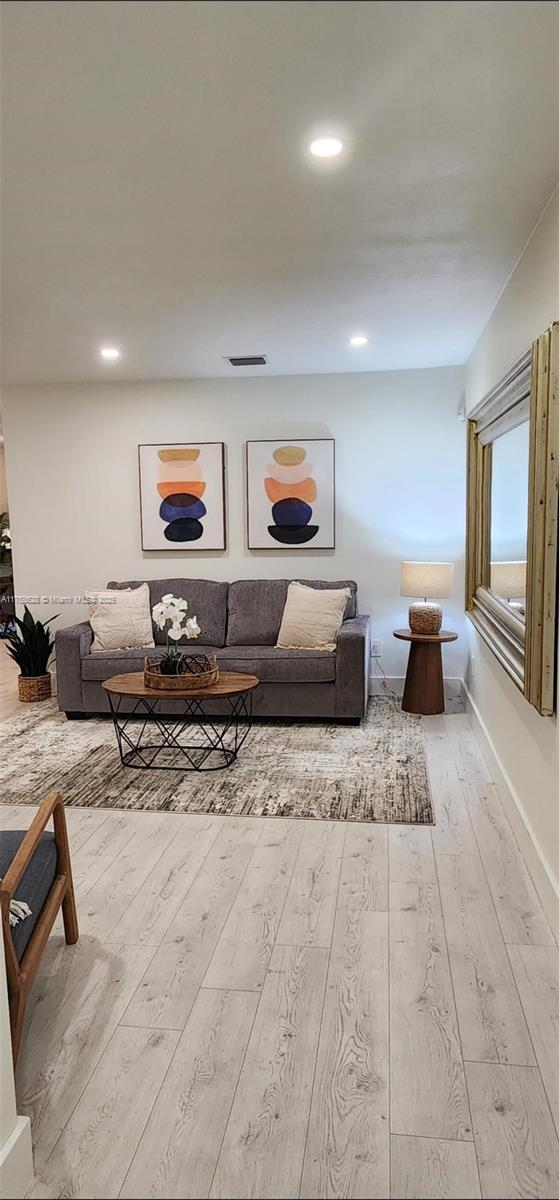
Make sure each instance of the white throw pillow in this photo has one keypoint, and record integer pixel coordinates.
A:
(312, 617)
(120, 618)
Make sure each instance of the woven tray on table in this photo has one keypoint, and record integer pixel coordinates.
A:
(198, 671)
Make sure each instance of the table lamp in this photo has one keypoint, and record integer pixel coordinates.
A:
(426, 579)
(508, 579)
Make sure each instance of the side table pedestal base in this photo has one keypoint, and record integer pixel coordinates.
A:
(424, 688)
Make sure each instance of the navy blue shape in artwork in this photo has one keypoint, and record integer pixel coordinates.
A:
(184, 529)
(291, 512)
(293, 535)
(181, 504)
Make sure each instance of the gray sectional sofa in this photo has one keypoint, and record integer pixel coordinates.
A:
(240, 623)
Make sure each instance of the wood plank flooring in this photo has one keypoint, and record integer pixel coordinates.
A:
(347, 1152)
(515, 1135)
(190, 1115)
(264, 1142)
(280, 1008)
(423, 1168)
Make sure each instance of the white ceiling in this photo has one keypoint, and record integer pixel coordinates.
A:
(158, 193)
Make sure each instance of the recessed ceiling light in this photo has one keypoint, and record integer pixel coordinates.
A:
(326, 147)
(357, 340)
(110, 353)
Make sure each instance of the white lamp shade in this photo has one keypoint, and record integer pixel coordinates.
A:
(509, 579)
(426, 579)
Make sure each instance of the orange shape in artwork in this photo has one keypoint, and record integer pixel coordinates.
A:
(306, 490)
(186, 486)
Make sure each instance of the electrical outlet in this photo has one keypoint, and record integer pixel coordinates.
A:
(376, 649)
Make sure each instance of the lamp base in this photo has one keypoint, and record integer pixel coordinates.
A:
(425, 617)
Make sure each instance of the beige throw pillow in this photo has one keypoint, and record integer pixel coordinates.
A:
(312, 617)
(120, 619)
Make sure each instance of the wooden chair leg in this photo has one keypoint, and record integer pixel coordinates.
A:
(69, 914)
(18, 1001)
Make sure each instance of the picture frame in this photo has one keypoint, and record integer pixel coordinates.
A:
(290, 494)
(182, 496)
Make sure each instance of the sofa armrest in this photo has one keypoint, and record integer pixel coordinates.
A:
(353, 656)
(72, 644)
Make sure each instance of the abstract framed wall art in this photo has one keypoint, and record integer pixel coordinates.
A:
(182, 496)
(290, 494)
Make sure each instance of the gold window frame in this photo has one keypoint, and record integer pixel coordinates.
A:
(526, 650)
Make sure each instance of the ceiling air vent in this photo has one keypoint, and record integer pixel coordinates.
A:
(247, 360)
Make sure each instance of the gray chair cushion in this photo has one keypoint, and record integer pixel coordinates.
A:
(35, 883)
(280, 666)
(207, 600)
(256, 608)
(105, 663)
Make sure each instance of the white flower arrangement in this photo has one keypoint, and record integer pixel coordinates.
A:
(5, 539)
(171, 613)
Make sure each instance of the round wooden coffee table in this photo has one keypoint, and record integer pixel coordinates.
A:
(424, 689)
(189, 739)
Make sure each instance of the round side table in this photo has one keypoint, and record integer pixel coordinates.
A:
(424, 689)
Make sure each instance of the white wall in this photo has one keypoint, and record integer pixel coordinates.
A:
(16, 1154)
(525, 744)
(400, 480)
(3, 485)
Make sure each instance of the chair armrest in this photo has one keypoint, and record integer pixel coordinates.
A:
(52, 805)
(20, 973)
(72, 644)
(353, 655)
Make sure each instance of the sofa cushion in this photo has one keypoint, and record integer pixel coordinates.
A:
(206, 598)
(120, 662)
(270, 664)
(255, 608)
(35, 883)
(273, 665)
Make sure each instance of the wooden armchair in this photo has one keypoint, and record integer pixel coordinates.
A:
(35, 868)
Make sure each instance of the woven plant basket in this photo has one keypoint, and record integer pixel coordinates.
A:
(198, 671)
(34, 687)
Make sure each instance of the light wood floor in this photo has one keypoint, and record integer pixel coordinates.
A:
(272, 1008)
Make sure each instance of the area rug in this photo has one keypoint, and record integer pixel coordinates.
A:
(376, 771)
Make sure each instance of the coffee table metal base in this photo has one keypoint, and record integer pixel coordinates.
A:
(187, 741)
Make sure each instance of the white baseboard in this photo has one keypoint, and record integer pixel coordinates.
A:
(545, 882)
(453, 688)
(16, 1162)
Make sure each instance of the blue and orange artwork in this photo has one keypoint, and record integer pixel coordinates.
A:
(181, 488)
(292, 489)
(181, 493)
(297, 493)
